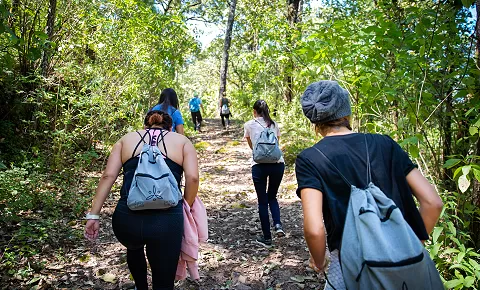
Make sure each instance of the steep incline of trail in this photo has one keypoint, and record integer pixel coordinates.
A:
(230, 260)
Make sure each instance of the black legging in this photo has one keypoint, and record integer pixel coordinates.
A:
(196, 119)
(161, 232)
(223, 120)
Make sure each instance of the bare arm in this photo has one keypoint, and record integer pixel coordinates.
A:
(179, 129)
(313, 227)
(190, 167)
(114, 164)
(249, 142)
(430, 203)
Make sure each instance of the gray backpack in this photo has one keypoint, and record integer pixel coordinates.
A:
(379, 249)
(153, 185)
(266, 149)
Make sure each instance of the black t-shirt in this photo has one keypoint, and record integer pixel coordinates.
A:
(389, 165)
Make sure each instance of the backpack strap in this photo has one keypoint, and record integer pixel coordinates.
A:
(163, 142)
(331, 163)
(142, 139)
(260, 123)
(369, 171)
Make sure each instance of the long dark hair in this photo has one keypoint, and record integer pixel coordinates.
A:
(168, 97)
(262, 110)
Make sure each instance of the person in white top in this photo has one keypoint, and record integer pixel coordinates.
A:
(261, 171)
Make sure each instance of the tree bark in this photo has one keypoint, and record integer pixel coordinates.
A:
(293, 18)
(49, 31)
(226, 48)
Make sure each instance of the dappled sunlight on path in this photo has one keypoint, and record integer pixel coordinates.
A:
(230, 260)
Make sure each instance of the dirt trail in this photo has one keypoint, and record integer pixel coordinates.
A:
(231, 259)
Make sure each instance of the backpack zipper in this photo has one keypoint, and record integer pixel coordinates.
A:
(150, 176)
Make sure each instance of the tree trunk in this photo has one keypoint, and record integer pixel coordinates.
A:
(13, 12)
(293, 19)
(226, 47)
(49, 30)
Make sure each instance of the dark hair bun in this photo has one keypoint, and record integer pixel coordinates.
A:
(158, 118)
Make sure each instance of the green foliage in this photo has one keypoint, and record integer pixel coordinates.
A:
(457, 262)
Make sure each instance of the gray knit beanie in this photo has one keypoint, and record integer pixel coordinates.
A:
(325, 101)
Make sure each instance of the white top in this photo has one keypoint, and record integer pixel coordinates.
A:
(253, 130)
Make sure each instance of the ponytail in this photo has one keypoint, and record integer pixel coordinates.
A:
(262, 110)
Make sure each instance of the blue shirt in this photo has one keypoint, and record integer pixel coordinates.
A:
(195, 104)
(177, 118)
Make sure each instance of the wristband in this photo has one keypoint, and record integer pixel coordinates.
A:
(90, 216)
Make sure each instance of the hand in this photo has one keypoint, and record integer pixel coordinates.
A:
(91, 229)
(311, 264)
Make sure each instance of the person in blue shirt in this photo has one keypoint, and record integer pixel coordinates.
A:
(195, 105)
(168, 103)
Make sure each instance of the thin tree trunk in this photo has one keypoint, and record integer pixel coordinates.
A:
(226, 47)
(13, 12)
(293, 19)
(49, 30)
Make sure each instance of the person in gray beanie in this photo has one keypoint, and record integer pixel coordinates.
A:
(324, 192)
(325, 101)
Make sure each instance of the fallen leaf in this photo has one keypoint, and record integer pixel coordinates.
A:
(109, 277)
(298, 278)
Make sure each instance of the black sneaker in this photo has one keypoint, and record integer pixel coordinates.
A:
(279, 230)
(264, 242)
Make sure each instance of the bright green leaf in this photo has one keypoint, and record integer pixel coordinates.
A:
(460, 257)
(436, 233)
(452, 228)
(453, 283)
(473, 130)
(476, 173)
(468, 282)
(475, 264)
(451, 163)
(414, 151)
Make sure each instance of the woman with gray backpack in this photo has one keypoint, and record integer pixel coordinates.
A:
(262, 135)
(357, 193)
(149, 214)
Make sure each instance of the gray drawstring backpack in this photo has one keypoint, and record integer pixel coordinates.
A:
(266, 149)
(379, 249)
(153, 185)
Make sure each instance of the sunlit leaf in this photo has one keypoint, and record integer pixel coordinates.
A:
(463, 183)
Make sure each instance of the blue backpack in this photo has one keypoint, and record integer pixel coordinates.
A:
(153, 185)
(379, 249)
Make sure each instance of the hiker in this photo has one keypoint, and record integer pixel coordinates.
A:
(168, 103)
(266, 193)
(159, 230)
(195, 105)
(342, 158)
(224, 109)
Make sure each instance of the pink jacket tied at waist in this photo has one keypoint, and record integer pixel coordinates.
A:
(195, 231)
